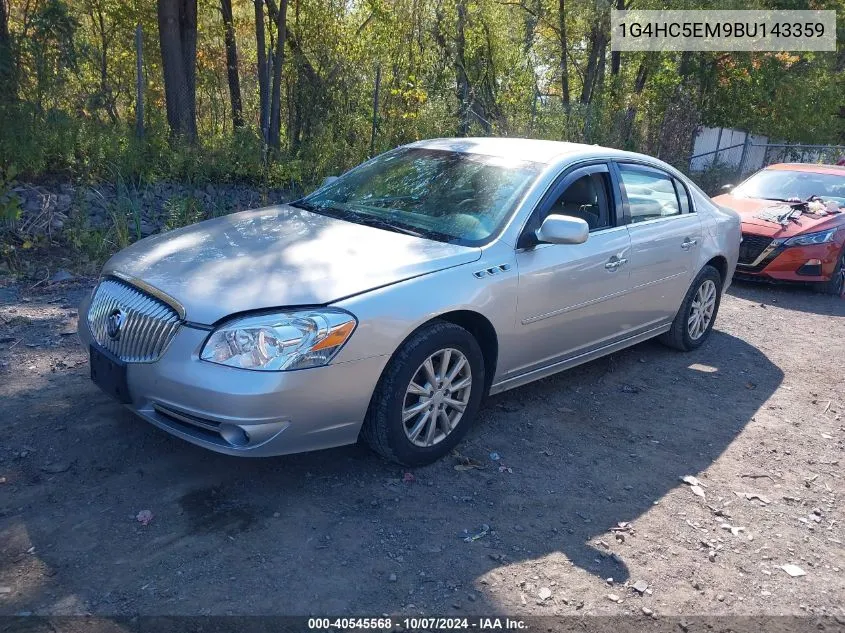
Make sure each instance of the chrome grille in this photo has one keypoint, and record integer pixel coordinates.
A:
(147, 325)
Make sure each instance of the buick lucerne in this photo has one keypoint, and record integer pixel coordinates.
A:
(385, 305)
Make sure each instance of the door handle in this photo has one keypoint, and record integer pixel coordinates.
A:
(688, 244)
(613, 264)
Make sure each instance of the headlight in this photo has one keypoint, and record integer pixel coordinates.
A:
(811, 238)
(276, 342)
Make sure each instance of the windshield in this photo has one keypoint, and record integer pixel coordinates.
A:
(781, 184)
(447, 196)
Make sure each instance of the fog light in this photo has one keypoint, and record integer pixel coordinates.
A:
(234, 434)
(811, 268)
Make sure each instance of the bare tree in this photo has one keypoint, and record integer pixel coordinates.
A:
(616, 56)
(280, 15)
(463, 92)
(564, 69)
(177, 25)
(232, 64)
(597, 50)
(7, 70)
(263, 91)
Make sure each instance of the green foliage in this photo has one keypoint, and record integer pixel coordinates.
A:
(712, 179)
(10, 202)
(182, 211)
(72, 111)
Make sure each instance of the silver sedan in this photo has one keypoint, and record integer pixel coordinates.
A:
(389, 302)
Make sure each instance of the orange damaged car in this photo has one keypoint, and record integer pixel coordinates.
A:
(793, 225)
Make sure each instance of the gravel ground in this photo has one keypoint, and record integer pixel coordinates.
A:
(585, 509)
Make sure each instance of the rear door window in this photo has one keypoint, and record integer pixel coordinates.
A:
(650, 193)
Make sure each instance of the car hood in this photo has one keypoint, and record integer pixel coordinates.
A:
(277, 256)
(748, 208)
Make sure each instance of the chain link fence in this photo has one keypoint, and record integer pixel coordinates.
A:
(736, 161)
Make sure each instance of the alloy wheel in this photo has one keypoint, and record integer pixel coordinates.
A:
(702, 309)
(436, 397)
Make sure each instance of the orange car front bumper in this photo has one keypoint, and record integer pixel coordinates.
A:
(794, 263)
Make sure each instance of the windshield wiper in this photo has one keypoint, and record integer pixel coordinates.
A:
(379, 223)
(352, 216)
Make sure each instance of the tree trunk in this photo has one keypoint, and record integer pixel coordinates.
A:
(7, 69)
(564, 67)
(598, 44)
(263, 92)
(275, 134)
(616, 56)
(462, 80)
(177, 24)
(631, 112)
(232, 64)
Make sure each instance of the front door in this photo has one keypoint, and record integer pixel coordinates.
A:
(570, 294)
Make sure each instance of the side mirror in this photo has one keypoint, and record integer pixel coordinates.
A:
(563, 229)
(727, 187)
(328, 180)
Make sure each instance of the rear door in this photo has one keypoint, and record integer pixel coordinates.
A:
(666, 236)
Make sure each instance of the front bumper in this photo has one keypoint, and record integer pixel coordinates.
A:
(795, 263)
(248, 413)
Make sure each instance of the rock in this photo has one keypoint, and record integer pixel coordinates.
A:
(711, 557)
(793, 570)
(392, 578)
(753, 495)
(612, 597)
(720, 598)
(698, 491)
(60, 276)
(545, 593)
(640, 586)
(692, 481)
(647, 611)
(56, 467)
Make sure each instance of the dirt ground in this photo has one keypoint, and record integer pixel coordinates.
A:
(586, 489)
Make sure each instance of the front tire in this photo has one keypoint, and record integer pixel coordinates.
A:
(836, 284)
(695, 318)
(427, 396)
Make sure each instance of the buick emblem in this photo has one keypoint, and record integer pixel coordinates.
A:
(114, 323)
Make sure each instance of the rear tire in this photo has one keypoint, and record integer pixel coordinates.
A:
(396, 426)
(836, 284)
(695, 318)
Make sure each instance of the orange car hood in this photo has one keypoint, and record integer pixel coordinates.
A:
(748, 208)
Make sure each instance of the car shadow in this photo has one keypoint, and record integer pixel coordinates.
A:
(797, 297)
(549, 471)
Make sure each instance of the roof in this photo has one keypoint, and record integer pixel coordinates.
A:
(537, 150)
(833, 170)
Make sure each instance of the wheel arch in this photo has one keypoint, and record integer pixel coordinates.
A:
(478, 325)
(720, 263)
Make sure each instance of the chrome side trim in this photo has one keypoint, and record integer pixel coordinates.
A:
(574, 361)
